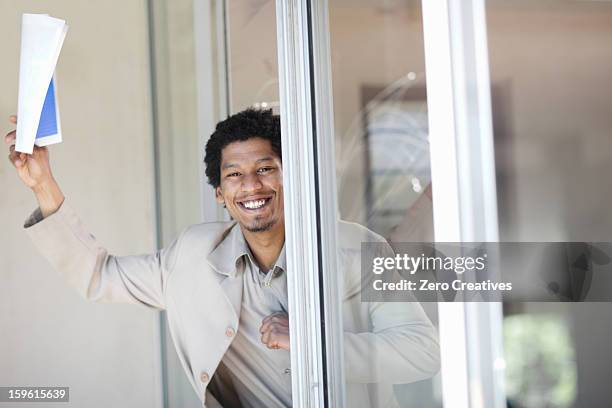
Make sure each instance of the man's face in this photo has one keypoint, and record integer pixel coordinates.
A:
(252, 184)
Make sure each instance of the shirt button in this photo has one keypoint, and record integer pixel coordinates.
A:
(229, 332)
(204, 377)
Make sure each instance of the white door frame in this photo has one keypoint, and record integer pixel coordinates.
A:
(464, 191)
(310, 203)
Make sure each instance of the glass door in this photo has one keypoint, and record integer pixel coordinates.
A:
(384, 192)
(357, 170)
(552, 118)
(374, 153)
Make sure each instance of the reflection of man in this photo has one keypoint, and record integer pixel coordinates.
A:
(223, 284)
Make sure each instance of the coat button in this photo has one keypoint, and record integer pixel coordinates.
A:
(204, 377)
(229, 332)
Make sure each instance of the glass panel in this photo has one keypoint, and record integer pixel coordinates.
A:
(178, 155)
(552, 112)
(383, 177)
(251, 82)
(252, 57)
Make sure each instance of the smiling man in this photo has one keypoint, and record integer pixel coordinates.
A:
(224, 284)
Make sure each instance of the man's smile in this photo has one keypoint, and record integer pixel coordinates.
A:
(255, 204)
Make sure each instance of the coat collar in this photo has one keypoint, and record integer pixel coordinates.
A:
(225, 260)
(227, 254)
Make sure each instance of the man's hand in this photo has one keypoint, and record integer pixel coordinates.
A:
(275, 331)
(35, 172)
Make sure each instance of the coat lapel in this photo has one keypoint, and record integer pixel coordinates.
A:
(232, 286)
(226, 259)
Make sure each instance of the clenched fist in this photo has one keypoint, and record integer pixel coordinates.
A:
(275, 331)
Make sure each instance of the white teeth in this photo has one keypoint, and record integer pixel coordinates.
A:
(254, 204)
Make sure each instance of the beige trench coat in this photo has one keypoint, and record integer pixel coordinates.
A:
(196, 281)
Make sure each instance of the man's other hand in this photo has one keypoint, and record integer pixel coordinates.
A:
(275, 331)
(35, 172)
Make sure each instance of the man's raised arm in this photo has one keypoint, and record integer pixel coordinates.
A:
(61, 237)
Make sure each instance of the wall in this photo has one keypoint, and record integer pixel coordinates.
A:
(107, 354)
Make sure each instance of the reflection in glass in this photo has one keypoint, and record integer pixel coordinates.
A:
(552, 117)
(383, 176)
(252, 57)
(543, 372)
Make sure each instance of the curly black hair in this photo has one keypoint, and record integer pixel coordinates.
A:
(241, 126)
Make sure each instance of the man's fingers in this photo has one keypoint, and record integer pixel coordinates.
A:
(21, 159)
(271, 339)
(268, 323)
(16, 158)
(273, 344)
(276, 316)
(264, 327)
(265, 337)
(275, 330)
(276, 338)
(10, 137)
(38, 151)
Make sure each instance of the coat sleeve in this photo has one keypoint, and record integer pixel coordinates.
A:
(387, 341)
(87, 266)
(402, 346)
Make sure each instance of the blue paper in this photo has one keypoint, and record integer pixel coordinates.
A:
(48, 116)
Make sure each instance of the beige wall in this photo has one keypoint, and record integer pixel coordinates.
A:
(107, 354)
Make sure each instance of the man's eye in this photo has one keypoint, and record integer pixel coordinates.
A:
(235, 174)
(265, 169)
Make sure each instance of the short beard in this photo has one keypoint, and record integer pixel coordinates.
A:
(260, 227)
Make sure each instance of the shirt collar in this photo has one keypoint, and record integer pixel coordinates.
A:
(233, 246)
(281, 261)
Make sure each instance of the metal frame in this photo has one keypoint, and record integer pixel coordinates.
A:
(463, 176)
(300, 205)
(212, 106)
(310, 203)
(210, 21)
(153, 43)
(328, 197)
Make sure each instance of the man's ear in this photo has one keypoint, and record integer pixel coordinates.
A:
(218, 195)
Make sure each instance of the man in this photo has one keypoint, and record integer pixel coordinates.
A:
(223, 284)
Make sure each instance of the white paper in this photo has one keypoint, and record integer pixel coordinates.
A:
(42, 38)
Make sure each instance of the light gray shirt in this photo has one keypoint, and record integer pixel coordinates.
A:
(251, 374)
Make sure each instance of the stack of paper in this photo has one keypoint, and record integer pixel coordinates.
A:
(42, 38)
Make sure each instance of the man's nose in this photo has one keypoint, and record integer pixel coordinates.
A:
(251, 182)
